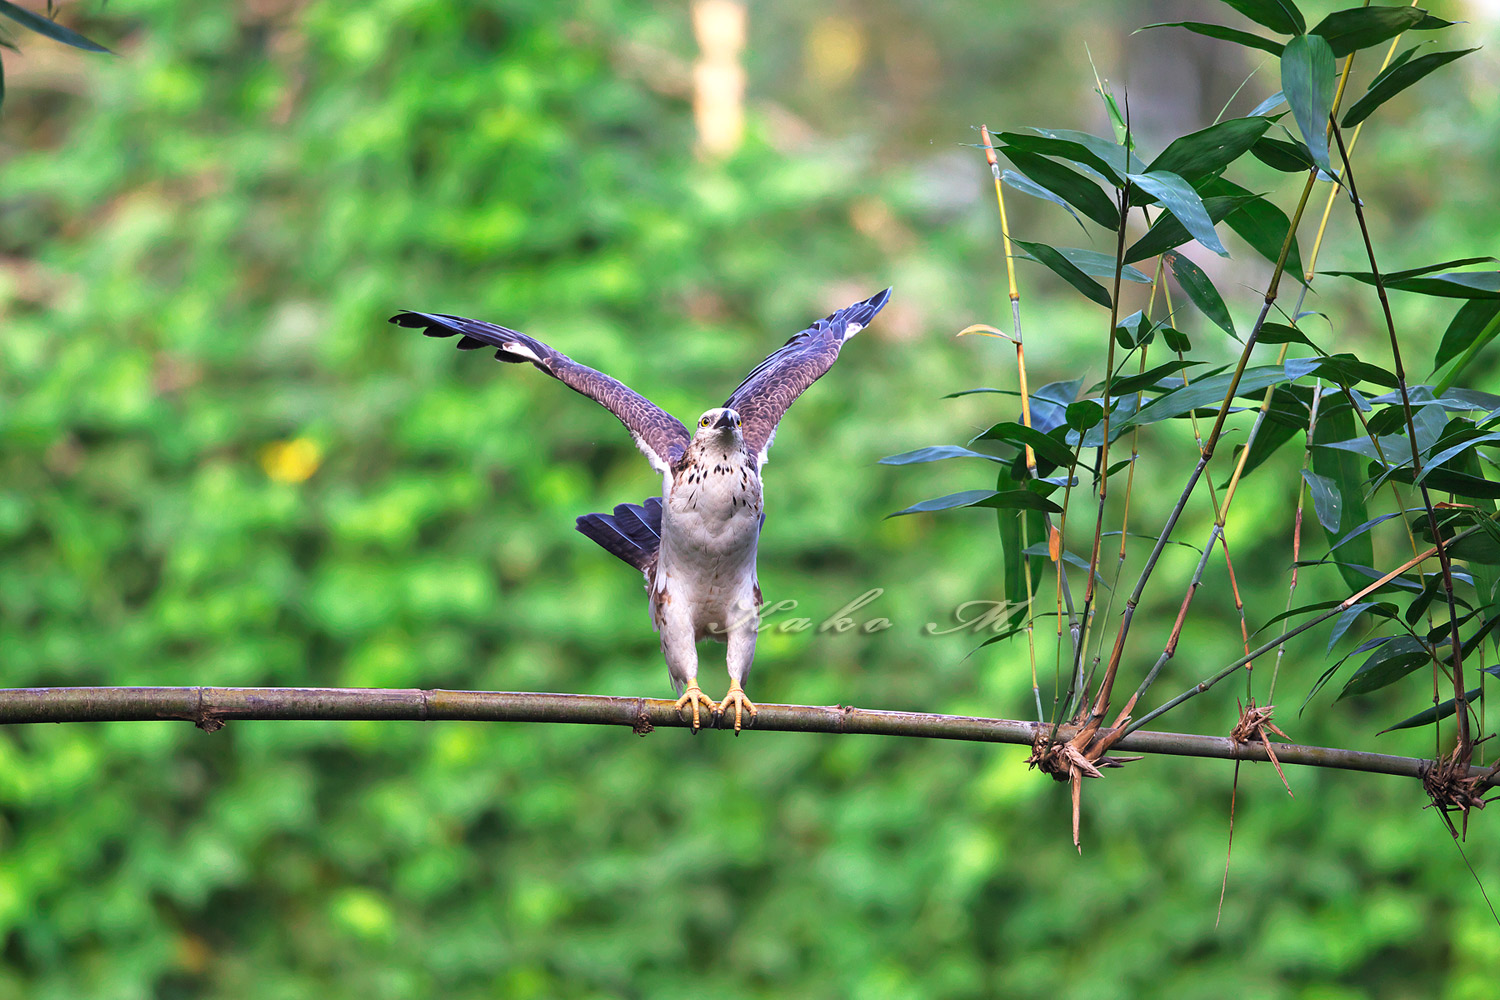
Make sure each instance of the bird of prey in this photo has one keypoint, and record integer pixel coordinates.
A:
(696, 542)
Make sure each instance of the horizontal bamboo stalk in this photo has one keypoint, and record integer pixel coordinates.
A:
(210, 707)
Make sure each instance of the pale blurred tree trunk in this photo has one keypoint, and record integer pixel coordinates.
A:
(719, 76)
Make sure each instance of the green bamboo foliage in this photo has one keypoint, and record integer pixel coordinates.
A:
(1374, 425)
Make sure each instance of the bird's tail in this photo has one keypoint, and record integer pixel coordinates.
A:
(632, 532)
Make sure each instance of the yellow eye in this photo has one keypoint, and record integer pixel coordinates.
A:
(703, 422)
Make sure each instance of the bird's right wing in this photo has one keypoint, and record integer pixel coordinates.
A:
(776, 382)
(660, 436)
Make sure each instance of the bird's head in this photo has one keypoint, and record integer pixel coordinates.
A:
(721, 425)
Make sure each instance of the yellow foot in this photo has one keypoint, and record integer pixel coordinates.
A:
(736, 696)
(694, 696)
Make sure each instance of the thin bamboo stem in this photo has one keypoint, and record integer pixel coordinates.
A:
(211, 707)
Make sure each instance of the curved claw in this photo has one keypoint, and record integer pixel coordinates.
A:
(741, 704)
(694, 696)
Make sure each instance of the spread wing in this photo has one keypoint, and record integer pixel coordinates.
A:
(769, 390)
(659, 435)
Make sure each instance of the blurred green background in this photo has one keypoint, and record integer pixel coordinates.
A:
(219, 465)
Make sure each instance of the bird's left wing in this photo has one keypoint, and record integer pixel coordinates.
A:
(769, 390)
(659, 435)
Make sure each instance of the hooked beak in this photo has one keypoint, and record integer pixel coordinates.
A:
(725, 422)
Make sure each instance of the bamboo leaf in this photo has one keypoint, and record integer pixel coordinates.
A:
(1361, 529)
(1461, 484)
(1094, 154)
(1077, 190)
(1166, 232)
(1294, 612)
(1049, 404)
(1201, 291)
(1085, 414)
(1271, 103)
(1219, 31)
(1396, 79)
(1386, 665)
(1203, 392)
(1066, 269)
(1178, 197)
(1147, 379)
(47, 26)
(1026, 185)
(1307, 79)
(1348, 617)
(1278, 15)
(1412, 272)
(1344, 369)
(1457, 285)
(1262, 225)
(1347, 472)
(1134, 330)
(1096, 264)
(1005, 500)
(1438, 712)
(1360, 27)
(1327, 503)
(1278, 154)
(937, 453)
(1481, 550)
(1116, 158)
(1013, 545)
(1280, 333)
(1471, 328)
(1437, 461)
(1046, 447)
(1212, 149)
(1002, 500)
(1371, 573)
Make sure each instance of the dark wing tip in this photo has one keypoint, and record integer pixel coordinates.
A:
(860, 313)
(411, 320)
(863, 312)
(472, 334)
(429, 324)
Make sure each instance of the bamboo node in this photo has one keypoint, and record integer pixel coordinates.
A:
(1452, 788)
(1251, 728)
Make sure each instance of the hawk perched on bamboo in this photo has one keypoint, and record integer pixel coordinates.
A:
(696, 542)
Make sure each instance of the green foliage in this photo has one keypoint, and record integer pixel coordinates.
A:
(219, 465)
(1409, 430)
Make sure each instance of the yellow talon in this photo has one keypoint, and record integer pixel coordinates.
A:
(741, 704)
(694, 696)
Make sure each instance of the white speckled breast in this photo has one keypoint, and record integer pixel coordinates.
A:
(710, 526)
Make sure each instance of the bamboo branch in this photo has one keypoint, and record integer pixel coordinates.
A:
(211, 707)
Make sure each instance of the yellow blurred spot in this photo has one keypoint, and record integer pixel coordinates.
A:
(835, 51)
(364, 914)
(291, 461)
